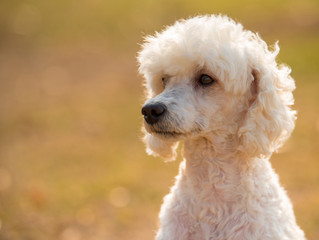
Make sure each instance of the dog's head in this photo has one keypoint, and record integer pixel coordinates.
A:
(208, 76)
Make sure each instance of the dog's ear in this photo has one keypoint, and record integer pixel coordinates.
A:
(269, 120)
(157, 147)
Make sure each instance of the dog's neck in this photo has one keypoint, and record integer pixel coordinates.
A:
(215, 166)
(221, 148)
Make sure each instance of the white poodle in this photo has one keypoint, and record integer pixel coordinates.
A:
(218, 88)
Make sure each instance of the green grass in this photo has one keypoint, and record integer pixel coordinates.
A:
(72, 166)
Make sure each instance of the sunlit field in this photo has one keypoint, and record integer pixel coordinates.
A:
(72, 165)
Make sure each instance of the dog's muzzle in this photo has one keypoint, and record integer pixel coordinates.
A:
(153, 112)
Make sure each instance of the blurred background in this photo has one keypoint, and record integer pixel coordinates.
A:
(72, 166)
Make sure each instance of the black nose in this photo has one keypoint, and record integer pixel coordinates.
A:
(153, 112)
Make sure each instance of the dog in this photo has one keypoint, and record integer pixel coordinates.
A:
(218, 88)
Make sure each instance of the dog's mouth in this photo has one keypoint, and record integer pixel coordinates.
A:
(168, 133)
(163, 132)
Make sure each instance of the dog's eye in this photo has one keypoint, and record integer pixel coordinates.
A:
(206, 80)
(164, 81)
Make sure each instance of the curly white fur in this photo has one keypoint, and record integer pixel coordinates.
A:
(226, 187)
